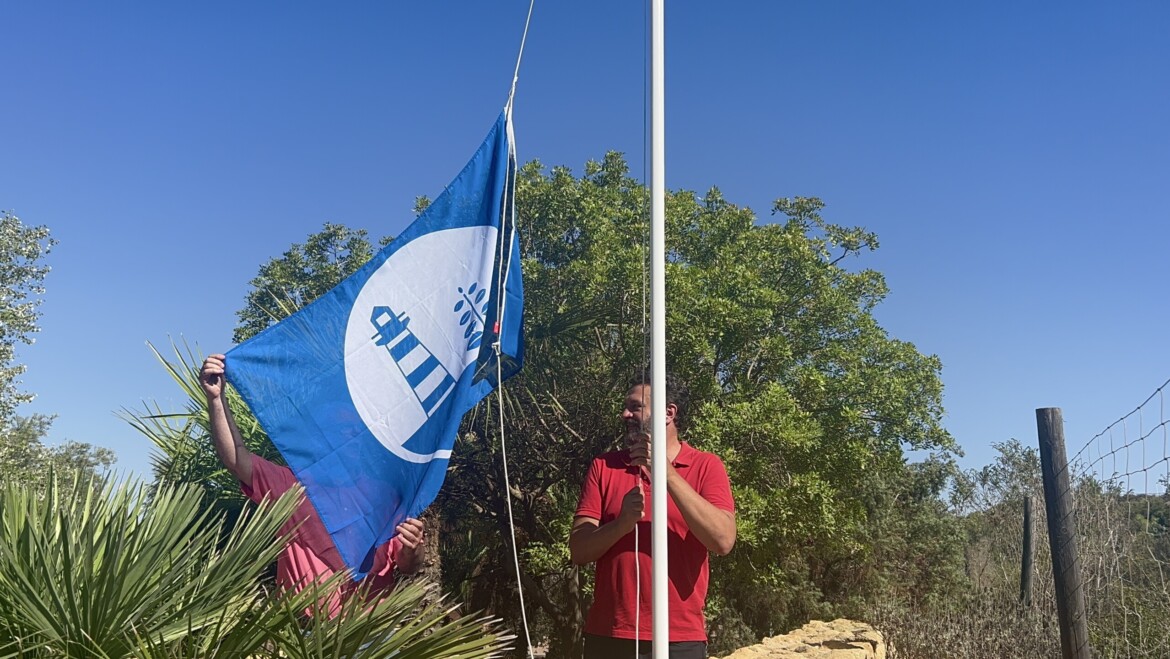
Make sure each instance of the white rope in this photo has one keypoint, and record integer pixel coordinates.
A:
(507, 479)
(509, 183)
(508, 499)
(505, 266)
(519, 56)
(645, 323)
(637, 587)
(504, 261)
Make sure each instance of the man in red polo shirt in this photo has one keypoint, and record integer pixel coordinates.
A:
(615, 506)
(310, 555)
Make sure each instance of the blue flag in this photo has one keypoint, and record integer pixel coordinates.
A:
(363, 390)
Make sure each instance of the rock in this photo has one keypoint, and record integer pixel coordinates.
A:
(839, 639)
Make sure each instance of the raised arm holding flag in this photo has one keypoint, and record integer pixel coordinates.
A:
(310, 555)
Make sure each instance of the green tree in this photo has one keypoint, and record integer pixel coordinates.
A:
(24, 458)
(301, 275)
(26, 461)
(22, 273)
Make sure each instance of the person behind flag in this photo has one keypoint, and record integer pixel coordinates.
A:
(614, 504)
(310, 555)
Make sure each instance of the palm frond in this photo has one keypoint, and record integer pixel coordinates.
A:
(402, 625)
(97, 573)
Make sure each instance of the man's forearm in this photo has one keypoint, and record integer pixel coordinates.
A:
(713, 527)
(237, 438)
(589, 541)
(228, 444)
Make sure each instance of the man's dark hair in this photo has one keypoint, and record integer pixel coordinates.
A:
(676, 393)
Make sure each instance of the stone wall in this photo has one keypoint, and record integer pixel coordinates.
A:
(840, 639)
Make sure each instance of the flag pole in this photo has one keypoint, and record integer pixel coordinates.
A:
(659, 603)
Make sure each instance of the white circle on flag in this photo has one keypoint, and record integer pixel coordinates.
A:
(405, 343)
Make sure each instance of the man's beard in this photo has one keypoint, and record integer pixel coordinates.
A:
(634, 430)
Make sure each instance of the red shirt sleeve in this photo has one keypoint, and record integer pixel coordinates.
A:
(589, 505)
(268, 479)
(716, 486)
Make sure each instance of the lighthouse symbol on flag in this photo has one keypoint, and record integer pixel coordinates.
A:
(426, 375)
(428, 378)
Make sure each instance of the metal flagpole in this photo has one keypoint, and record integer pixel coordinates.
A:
(661, 626)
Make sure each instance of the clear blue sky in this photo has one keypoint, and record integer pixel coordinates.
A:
(1013, 157)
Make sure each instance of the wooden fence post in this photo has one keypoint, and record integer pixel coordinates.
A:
(1066, 567)
(1028, 553)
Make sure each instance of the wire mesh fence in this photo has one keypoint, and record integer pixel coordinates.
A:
(1118, 487)
(1121, 483)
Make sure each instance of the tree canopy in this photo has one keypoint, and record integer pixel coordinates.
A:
(301, 275)
(22, 273)
(24, 458)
